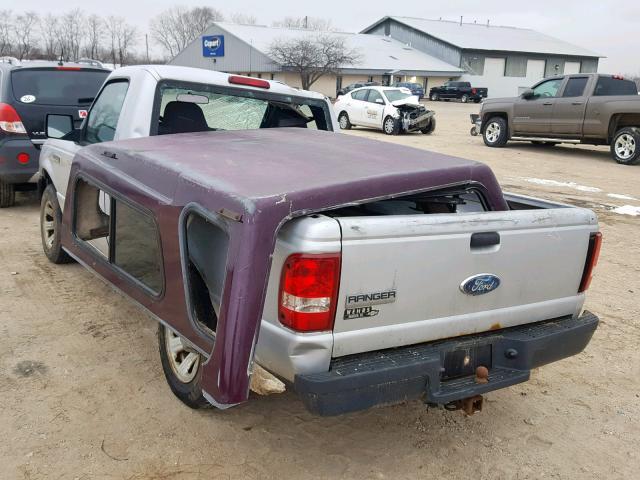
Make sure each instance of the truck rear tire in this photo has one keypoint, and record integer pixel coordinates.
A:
(625, 147)
(182, 368)
(50, 225)
(7, 194)
(495, 132)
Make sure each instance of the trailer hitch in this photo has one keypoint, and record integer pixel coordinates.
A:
(468, 405)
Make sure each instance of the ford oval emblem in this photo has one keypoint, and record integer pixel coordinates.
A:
(480, 284)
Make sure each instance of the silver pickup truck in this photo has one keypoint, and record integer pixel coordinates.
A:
(396, 275)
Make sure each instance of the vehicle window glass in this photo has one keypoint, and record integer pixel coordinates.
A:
(103, 116)
(548, 89)
(120, 234)
(395, 95)
(136, 246)
(614, 86)
(360, 94)
(374, 95)
(575, 87)
(56, 87)
(202, 109)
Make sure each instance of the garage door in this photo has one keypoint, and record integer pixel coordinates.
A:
(535, 70)
(571, 67)
(494, 67)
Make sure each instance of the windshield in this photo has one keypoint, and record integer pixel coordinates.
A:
(56, 87)
(395, 95)
(201, 108)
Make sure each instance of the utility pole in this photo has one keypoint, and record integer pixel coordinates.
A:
(306, 22)
(146, 41)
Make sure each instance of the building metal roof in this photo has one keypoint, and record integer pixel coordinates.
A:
(477, 36)
(377, 53)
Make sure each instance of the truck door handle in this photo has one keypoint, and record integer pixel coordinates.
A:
(485, 239)
(576, 103)
(548, 103)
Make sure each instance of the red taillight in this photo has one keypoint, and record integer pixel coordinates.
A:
(248, 81)
(617, 77)
(23, 158)
(308, 291)
(473, 91)
(69, 68)
(593, 253)
(10, 121)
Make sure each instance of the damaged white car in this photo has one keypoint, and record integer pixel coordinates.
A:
(393, 110)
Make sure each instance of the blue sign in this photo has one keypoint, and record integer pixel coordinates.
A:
(480, 284)
(213, 46)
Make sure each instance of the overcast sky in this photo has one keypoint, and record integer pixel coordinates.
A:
(607, 27)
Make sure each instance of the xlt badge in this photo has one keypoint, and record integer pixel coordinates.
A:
(360, 305)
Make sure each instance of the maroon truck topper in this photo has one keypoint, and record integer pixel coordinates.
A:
(251, 183)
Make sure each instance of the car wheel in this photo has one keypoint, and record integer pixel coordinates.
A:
(343, 121)
(495, 132)
(7, 194)
(50, 226)
(431, 126)
(391, 126)
(464, 98)
(625, 147)
(473, 131)
(434, 97)
(182, 367)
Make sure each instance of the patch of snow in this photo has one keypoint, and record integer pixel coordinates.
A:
(555, 183)
(627, 210)
(620, 197)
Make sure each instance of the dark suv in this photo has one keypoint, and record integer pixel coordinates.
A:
(28, 92)
(416, 88)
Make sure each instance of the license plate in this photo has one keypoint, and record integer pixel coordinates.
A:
(464, 361)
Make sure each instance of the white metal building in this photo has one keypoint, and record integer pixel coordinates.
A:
(244, 49)
(506, 60)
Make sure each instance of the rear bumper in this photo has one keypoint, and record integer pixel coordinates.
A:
(12, 171)
(358, 382)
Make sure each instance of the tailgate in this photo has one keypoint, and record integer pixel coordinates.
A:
(403, 276)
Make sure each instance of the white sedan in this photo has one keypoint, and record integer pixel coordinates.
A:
(393, 110)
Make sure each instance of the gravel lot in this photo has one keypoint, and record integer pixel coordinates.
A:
(83, 395)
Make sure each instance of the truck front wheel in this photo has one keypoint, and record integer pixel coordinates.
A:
(434, 97)
(182, 367)
(625, 147)
(495, 132)
(50, 225)
(7, 194)
(464, 98)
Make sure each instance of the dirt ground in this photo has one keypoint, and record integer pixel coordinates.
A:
(83, 395)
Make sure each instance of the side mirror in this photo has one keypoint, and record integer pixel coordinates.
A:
(380, 101)
(528, 94)
(58, 126)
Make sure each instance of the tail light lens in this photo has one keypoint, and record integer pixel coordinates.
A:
(474, 91)
(10, 121)
(593, 253)
(308, 291)
(249, 81)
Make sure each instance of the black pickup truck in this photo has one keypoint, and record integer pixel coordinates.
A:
(462, 91)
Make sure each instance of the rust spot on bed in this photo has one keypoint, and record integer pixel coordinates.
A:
(496, 326)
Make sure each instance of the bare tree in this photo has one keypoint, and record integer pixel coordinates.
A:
(243, 19)
(307, 23)
(6, 21)
(50, 30)
(25, 29)
(313, 57)
(70, 33)
(123, 37)
(177, 27)
(94, 36)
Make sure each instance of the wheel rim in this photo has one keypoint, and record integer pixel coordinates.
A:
(464, 99)
(625, 146)
(48, 225)
(434, 97)
(388, 126)
(343, 121)
(492, 133)
(184, 361)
